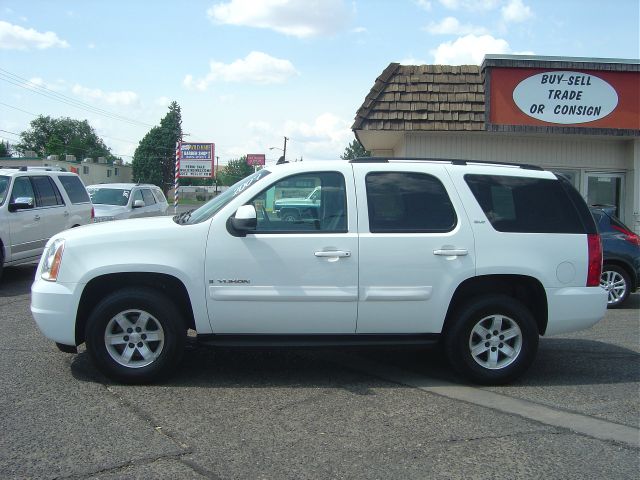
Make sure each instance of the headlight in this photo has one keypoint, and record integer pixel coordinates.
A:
(52, 260)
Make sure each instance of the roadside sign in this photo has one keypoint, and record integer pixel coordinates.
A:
(196, 160)
(254, 159)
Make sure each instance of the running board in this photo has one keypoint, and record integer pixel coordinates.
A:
(319, 340)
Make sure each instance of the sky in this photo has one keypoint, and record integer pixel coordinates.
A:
(247, 73)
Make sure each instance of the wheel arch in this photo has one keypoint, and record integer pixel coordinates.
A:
(527, 290)
(103, 285)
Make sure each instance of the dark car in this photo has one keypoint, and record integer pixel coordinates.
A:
(621, 249)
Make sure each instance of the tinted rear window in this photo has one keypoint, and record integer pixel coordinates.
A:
(525, 205)
(74, 188)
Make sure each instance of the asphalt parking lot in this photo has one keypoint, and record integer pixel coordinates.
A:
(328, 413)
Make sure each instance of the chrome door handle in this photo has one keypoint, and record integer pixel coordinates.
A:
(333, 253)
(453, 252)
(66, 214)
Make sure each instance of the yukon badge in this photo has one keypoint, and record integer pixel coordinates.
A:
(234, 281)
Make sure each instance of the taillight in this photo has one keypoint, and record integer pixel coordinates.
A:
(595, 260)
(628, 235)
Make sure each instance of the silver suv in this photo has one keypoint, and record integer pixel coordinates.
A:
(35, 204)
(117, 201)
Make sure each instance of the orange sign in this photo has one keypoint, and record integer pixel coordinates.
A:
(565, 98)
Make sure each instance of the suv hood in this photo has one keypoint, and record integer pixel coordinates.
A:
(144, 230)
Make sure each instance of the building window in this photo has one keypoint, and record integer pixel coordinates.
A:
(85, 170)
(116, 172)
(108, 172)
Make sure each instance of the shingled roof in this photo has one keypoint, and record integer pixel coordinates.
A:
(424, 98)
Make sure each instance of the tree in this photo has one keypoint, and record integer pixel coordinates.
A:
(62, 136)
(5, 149)
(235, 171)
(154, 159)
(354, 150)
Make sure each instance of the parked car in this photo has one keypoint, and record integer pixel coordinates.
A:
(293, 209)
(35, 204)
(117, 201)
(481, 258)
(621, 255)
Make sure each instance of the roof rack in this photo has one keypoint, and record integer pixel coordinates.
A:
(23, 168)
(452, 161)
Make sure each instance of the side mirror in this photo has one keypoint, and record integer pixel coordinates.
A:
(244, 221)
(21, 203)
(138, 204)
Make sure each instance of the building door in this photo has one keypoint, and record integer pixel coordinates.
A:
(605, 189)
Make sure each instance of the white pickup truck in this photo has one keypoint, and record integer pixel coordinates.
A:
(483, 258)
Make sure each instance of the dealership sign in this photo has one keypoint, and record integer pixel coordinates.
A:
(565, 97)
(196, 160)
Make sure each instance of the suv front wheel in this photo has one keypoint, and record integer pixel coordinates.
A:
(135, 335)
(492, 340)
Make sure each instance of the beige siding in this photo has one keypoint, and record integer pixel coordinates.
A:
(547, 151)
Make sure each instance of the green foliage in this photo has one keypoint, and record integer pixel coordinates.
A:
(154, 159)
(234, 171)
(5, 149)
(63, 136)
(354, 150)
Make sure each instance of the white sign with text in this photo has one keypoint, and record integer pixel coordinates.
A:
(565, 97)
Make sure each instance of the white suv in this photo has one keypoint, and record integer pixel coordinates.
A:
(117, 201)
(482, 258)
(35, 204)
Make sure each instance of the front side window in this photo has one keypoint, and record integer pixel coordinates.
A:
(148, 197)
(22, 188)
(408, 202)
(47, 193)
(320, 206)
(137, 195)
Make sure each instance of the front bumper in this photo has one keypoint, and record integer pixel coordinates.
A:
(574, 308)
(54, 306)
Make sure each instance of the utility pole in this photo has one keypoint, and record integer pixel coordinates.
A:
(215, 173)
(284, 152)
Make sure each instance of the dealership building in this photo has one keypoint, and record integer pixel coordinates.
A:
(579, 117)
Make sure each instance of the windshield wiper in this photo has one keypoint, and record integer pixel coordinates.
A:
(182, 218)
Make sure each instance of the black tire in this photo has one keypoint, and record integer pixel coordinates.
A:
(616, 282)
(149, 359)
(498, 360)
(290, 216)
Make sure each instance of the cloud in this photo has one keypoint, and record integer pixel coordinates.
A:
(39, 82)
(124, 98)
(325, 138)
(474, 5)
(451, 26)
(15, 37)
(516, 11)
(469, 49)
(257, 67)
(298, 18)
(423, 4)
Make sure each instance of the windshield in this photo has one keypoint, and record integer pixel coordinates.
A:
(209, 209)
(4, 186)
(109, 196)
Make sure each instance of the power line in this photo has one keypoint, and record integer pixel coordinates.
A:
(21, 82)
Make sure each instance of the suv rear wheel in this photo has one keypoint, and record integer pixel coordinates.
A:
(493, 340)
(135, 335)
